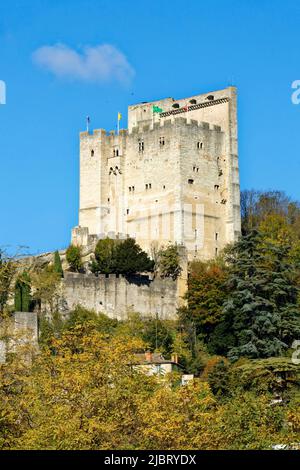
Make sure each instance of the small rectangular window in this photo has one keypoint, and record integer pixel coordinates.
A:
(191, 181)
(216, 236)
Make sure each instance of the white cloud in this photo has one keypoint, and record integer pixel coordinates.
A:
(98, 64)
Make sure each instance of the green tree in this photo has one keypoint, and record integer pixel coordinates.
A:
(23, 293)
(131, 259)
(74, 258)
(81, 316)
(261, 308)
(158, 334)
(205, 296)
(169, 262)
(57, 266)
(219, 379)
(104, 262)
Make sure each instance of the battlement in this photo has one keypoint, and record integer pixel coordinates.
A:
(176, 122)
(93, 134)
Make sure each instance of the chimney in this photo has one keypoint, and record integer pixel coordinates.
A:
(174, 358)
(148, 356)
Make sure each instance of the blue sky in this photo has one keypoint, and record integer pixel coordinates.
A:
(153, 49)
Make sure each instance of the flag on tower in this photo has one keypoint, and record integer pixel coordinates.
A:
(88, 123)
(156, 109)
(119, 119)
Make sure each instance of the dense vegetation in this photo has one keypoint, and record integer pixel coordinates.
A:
(235, 334)
(82, 391)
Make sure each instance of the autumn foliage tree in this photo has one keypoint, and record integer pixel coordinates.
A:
(205, 296)
(84, 392)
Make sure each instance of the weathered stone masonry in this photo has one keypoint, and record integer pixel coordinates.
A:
(117, 296)
(171, 177)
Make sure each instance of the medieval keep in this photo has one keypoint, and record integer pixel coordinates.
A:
(171, 177)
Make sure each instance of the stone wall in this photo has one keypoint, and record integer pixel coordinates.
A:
(21, 328)
(116, 296)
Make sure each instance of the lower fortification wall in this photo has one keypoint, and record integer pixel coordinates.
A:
(116, 296)
(17, 332)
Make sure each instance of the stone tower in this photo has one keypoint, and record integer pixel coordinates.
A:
(171, 177)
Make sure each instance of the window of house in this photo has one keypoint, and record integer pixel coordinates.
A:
(146, 186)
(92, 153)
(161, 141)
(127, 211)
(133, 188)
(190, 181)
(130, 189)
(149, 185)
(216, 251)
(199, 145)
(141, 146)
(216, 187)
(216, 236)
